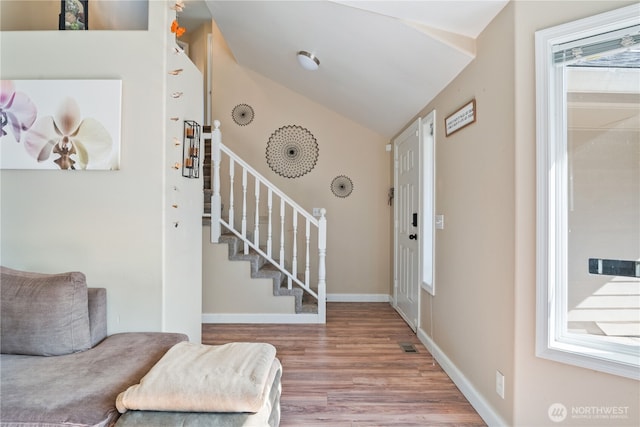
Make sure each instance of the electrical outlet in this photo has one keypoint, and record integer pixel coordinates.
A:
(500, 384)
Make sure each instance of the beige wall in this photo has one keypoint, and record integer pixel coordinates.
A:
(483, 314)
(197, 41)
(116, 227)
(471, 316)
(358, 244)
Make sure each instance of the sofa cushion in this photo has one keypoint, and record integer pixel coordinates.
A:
(97, 314)
(43, 314)
(80, 389)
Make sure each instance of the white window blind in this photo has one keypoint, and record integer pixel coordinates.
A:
(625, 39)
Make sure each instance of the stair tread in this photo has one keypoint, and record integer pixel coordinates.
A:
(270, 267)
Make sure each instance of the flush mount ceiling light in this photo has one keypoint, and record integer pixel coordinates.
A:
(308, 61)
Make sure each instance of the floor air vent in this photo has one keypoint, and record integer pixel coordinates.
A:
(408, 347)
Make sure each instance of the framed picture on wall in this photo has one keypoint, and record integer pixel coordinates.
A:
(61, 124)
(74, 15)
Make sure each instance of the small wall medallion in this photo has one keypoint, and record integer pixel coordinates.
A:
(342, 186)
(242, 114)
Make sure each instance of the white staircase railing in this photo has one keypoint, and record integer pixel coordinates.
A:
(287, 238)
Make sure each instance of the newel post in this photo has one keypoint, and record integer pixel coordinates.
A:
(322, 269)
(216, 203)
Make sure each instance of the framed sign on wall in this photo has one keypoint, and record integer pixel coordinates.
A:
(464, 116)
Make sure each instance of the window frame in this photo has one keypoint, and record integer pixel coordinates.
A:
(427, 183)
(552, 339)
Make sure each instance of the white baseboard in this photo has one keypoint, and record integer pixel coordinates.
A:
(358, 298)
(479, 403)
(260, 318)
(289, 318)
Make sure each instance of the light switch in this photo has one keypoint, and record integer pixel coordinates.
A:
(440, 222)
(316, 211)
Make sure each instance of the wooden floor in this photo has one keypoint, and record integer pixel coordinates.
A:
(353, 372)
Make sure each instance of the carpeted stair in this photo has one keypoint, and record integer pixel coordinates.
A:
(262, 269)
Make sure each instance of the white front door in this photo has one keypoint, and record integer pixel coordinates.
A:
(407, 253)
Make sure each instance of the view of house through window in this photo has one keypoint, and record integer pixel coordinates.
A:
(603, 206)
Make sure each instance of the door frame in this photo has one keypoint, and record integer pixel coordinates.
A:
(426, 223)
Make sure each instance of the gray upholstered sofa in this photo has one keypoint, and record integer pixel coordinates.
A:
(58, 366)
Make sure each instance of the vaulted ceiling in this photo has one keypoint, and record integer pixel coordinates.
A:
(381, 62)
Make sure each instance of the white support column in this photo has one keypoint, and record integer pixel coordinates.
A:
(216, 140)
(322, 269)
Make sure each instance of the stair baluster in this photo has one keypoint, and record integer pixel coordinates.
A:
(294, 254)
(270, 228)
(282, 214)
(256, 220)
(307, 263)
(232, 169)
(244, 210)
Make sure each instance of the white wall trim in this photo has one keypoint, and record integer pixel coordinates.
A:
(260, 318)
(358, 298)
(291, 318)
(479, 403)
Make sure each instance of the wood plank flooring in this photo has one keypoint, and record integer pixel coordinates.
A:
(352, 371)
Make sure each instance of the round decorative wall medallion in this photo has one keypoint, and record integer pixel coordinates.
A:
(242, 114)
(342, 186)
(292, 151)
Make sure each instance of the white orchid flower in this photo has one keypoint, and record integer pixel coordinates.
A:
(16, 110)
(78, 142)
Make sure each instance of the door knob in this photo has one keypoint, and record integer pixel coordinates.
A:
(413, 236)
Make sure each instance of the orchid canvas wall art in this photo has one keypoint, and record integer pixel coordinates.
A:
(60, 124)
